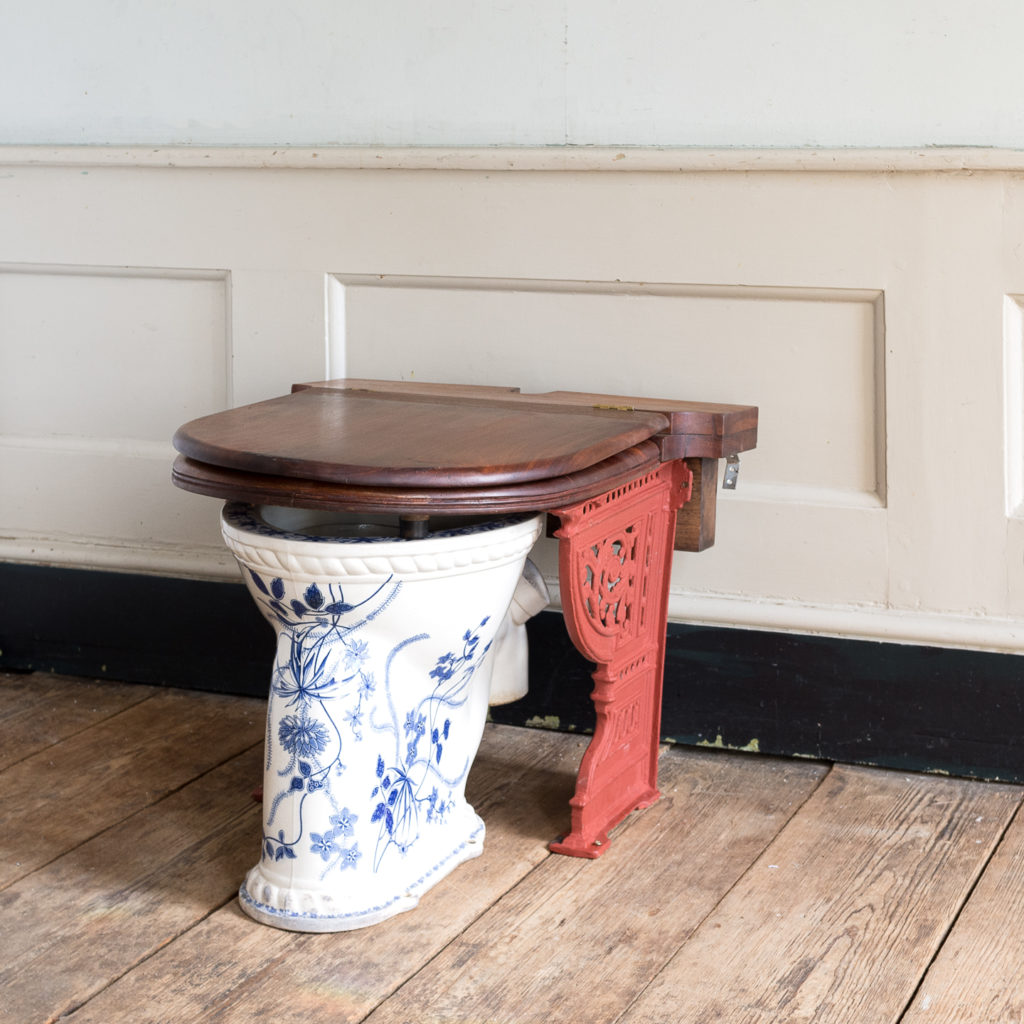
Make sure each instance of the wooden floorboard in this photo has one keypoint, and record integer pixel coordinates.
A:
(37, 711)
(230, 969)
(978, 976)
(99, 910)
(840, 917)
(756, 890)
(63, 795)
(592, 934)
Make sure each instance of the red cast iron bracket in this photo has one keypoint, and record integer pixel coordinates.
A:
(615, 562)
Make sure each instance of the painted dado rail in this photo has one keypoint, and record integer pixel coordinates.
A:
(869, 303)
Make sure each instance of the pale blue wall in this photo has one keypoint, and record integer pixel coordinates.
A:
(520, 72)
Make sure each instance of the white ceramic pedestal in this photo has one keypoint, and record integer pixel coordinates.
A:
(377, 704)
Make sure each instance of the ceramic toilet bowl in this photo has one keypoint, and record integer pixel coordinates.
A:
(378, 699)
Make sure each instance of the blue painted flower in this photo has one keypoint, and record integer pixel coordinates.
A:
(356, 652)
(445, 667)
(355, 721)
(344, 823)
(305, 678)
(415, 724)
(432, 804)
(300, 690)
(304, 737)
(323, 844)
(349, 857)
(415, 727)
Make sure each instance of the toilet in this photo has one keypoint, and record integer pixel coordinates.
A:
(383, 529)
(386, 647)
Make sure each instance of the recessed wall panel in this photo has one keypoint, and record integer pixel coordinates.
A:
(809, 358)
(101, 496)
(110, 353)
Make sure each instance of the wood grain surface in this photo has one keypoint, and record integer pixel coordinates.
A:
(37, 711)
(839, 918)
(756, 890)
(978, 976)
(532, 496)
(231, 969)
(690, 419)
(401, 440)
(62, 796)
(580, 939)
(129, 891)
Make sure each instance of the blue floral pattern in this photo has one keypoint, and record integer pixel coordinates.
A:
(331, 698)
(401, 795)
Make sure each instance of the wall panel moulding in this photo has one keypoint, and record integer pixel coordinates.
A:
(953, 159)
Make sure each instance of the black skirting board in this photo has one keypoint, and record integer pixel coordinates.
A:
(898, 706)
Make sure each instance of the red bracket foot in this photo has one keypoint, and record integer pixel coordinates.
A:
(614, 563)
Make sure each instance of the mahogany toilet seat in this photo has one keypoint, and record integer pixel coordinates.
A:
(612, 470)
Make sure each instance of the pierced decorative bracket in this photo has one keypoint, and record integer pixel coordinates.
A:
(615, 561)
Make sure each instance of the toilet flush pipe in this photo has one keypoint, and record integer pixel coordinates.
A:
(509, 676)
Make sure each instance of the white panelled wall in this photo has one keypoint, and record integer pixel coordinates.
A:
(874, 313)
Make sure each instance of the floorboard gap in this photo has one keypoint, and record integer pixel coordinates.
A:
(940, 945)
(725, 894)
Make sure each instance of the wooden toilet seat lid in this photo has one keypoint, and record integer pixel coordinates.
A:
(384, 434)
(377, 444)
(395, 440)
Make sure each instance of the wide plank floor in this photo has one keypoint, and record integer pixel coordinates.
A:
(755, 890)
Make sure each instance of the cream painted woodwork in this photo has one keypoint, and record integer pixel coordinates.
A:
(875, 313)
